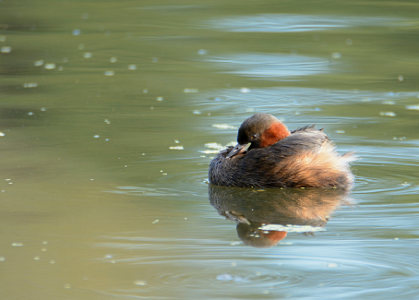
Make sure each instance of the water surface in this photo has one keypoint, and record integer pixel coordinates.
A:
(111, 112)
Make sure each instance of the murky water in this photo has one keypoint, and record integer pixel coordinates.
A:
(111, 111)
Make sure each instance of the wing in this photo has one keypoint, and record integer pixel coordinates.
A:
(304, 139)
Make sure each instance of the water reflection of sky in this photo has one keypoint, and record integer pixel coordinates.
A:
(272, 66)
(298, 23)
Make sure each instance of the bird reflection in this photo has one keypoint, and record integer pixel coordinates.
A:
(264, 217)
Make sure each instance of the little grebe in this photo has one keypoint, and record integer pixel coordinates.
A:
(269, 155)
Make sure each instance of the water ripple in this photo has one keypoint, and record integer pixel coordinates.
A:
(273, 66)
(301, 23)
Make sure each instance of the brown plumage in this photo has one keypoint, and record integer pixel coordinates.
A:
(276, 157)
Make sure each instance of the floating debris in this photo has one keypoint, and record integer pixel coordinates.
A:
(340, 131)
(87, 55)
(107, 121)
(336, 55)
(132, 67)
(43, 109)
(31, 113)
(223, 126)
(50, 66)
(17, 244)
(96, 136)
(38, 63)
(109, 73)
(76, 32)
(140, 282)
(412, 107)
(215, 146)
(2, 258)
(145, 91)
(37, 258)
(197, 112)
(160, 99)
(6, 49)
(29, 85)
(387, 114)
(113, 60)
(400, 78)
(202, 51)
(190, 90)
(67, 286)
(155, 221)
(176, 147)
(2, 134)
(244, 90)
(176, 141)
(332, 265)
(389, 102)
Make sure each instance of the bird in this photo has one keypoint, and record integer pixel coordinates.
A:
(269, 155)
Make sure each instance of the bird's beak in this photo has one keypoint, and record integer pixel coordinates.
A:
(238, 149)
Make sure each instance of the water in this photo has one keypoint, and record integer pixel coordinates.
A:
(111, 112)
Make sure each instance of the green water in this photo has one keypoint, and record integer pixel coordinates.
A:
(109, 112)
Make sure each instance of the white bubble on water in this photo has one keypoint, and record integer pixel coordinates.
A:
(87, 55)
(132, 67)
(6, 49)
(30, 85)
(140, 282)
(176, 147)
(387, 114)
(76, 31)
(38, 63)
(113, 59)
(412, 107)
(223, 126)
(109, 73)
(190, 90)
(50, 66)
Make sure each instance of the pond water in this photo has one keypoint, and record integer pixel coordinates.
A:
(110, 112)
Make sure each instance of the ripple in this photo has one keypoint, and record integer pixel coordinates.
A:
(288, 100)
(301, 23)
(272, 66)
